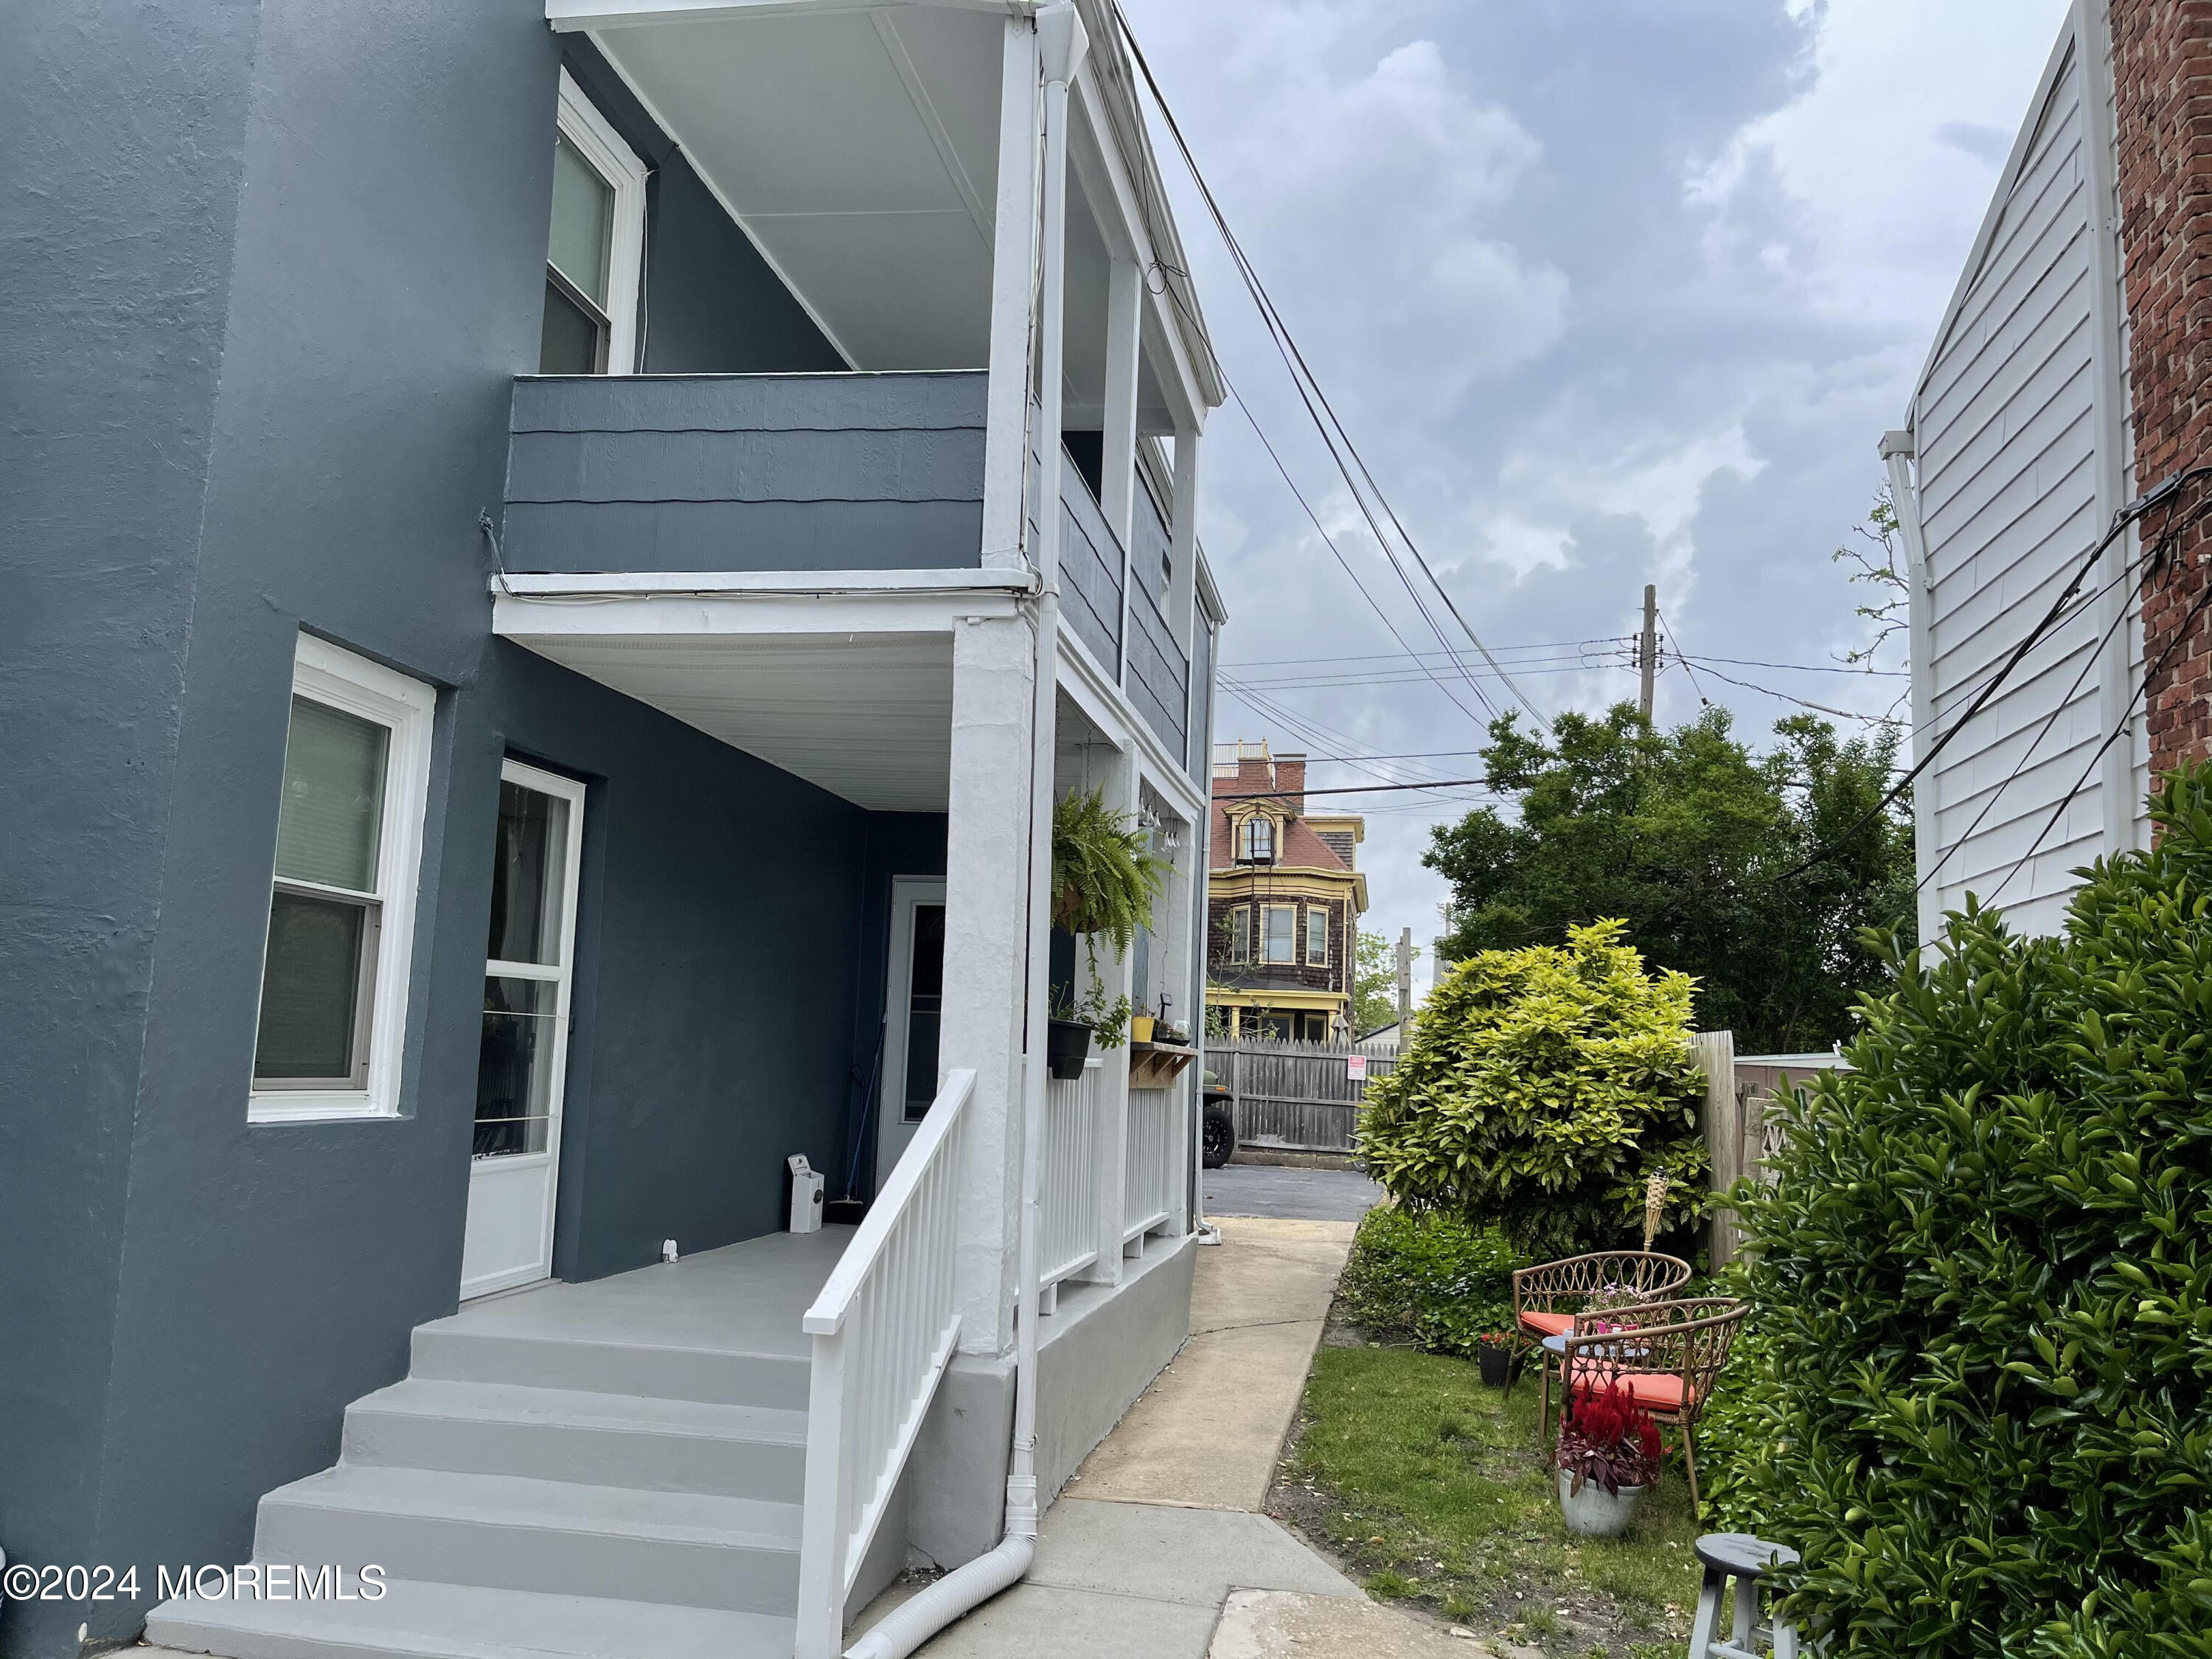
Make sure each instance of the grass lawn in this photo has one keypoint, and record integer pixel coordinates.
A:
(1432, 1489)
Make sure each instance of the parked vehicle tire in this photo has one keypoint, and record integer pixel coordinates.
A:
(1220, 1135)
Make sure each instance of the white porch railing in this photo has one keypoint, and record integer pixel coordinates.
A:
(1067, 1198)
(1148, 1178)
(884, 1328)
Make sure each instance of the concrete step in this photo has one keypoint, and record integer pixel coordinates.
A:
(454, 1350)
(508, 1532)
(423, 1620)
(645, 1441)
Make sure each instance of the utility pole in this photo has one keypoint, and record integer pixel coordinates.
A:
(1405, 977)
(1647, 654)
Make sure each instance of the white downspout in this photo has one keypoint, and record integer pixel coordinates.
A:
(1898, 450)
(1062, 43)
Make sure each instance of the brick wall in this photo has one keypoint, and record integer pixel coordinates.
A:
(2162, 80)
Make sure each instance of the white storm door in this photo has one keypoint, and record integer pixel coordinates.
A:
(523, 1057)
(914, 1001)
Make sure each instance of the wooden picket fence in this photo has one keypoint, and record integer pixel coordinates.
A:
(1293, 1097)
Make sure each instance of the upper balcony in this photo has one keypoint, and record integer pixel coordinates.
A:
(792, 323)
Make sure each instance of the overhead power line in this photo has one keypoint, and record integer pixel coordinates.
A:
(1349, 462)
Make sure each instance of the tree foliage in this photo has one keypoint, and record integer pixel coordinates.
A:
(1683, 835)
(1984, 1287)
(1542, 1088)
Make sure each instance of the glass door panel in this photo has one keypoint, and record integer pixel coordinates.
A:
(523, 1042)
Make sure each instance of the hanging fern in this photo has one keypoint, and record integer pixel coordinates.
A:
(1105, 878)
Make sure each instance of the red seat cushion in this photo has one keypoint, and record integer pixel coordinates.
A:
(1652, 1390)
(1547, 1324)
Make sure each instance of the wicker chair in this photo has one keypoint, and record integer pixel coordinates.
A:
(1547, 1298)
(1666, 1356)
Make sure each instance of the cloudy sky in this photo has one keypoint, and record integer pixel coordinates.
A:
(1608, 292)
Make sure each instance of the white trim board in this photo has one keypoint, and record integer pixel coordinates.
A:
(582, 125)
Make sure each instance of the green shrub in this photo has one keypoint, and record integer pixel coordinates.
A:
(1430, 1278)
(1733, 1435)
(1542, 1088)
(1984, 1282)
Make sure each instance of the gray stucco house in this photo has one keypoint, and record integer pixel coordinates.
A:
(554, 556)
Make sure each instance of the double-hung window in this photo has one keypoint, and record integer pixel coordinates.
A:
(342, 899)
(1255, 842)
(1240, 934)
(595, 244)
(1317, 935)
(1279, 933)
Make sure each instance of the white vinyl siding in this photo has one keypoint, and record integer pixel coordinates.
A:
(2011, 439)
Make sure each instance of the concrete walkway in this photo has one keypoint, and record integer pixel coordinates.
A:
(1157, 1549)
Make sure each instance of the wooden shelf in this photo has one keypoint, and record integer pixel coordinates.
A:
(1156, 1065)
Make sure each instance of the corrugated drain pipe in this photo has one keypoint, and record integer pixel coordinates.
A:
(1061, 46)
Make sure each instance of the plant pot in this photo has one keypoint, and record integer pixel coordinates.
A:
(1499, 1365)
(1594, 1512)
(1140, 1028)
(1066, 1046)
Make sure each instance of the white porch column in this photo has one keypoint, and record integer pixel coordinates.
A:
(987, 858)
(1113, 1117)
(1125, 299)
(1013, 269)
(1182, 536)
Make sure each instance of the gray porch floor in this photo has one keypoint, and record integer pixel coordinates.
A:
(745, 1298)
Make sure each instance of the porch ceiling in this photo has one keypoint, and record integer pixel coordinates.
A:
(861, 150)
(866, 717)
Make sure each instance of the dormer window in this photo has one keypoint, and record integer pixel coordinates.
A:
(1255, 842)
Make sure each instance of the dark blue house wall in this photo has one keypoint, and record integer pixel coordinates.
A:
(122, 130)
(198, 465)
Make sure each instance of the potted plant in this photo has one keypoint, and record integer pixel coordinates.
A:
(1607, 1454)
(1498, 1355)
(1076, 1021)
(1104, 879)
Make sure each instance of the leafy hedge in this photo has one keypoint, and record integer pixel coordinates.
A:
(1429, 1278)
(1542, 1087)
(1985, 1287)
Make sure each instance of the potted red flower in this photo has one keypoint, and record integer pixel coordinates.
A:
(1607, 1453)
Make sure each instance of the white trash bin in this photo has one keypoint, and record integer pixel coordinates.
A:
(806, 1195)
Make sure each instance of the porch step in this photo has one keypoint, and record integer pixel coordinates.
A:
(459, 1351)
(645, 1441)
(508, 1532)
(424, 1620)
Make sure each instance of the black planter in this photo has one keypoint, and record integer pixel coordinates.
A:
(1498, 1363)
(1066, 1046)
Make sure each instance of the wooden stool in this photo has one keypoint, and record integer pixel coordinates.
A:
(1738, 1555)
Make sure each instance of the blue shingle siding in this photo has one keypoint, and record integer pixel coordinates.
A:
(745, 472)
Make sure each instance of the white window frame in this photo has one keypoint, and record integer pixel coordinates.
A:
(591, 133)
(1316, 913)
(406, 709)
(1291, 942)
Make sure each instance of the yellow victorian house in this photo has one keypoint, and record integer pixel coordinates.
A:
(1283, 901)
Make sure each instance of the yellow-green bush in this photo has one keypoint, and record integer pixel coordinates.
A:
(1542, 1088)
(1984, 1288)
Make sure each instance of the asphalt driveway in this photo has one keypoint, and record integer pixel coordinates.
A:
(1284, 1194)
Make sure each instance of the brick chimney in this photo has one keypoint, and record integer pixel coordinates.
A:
(1291, 779)
(2162, 80)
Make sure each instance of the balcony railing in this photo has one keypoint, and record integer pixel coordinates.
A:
(1090, 571)
(698, 472)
